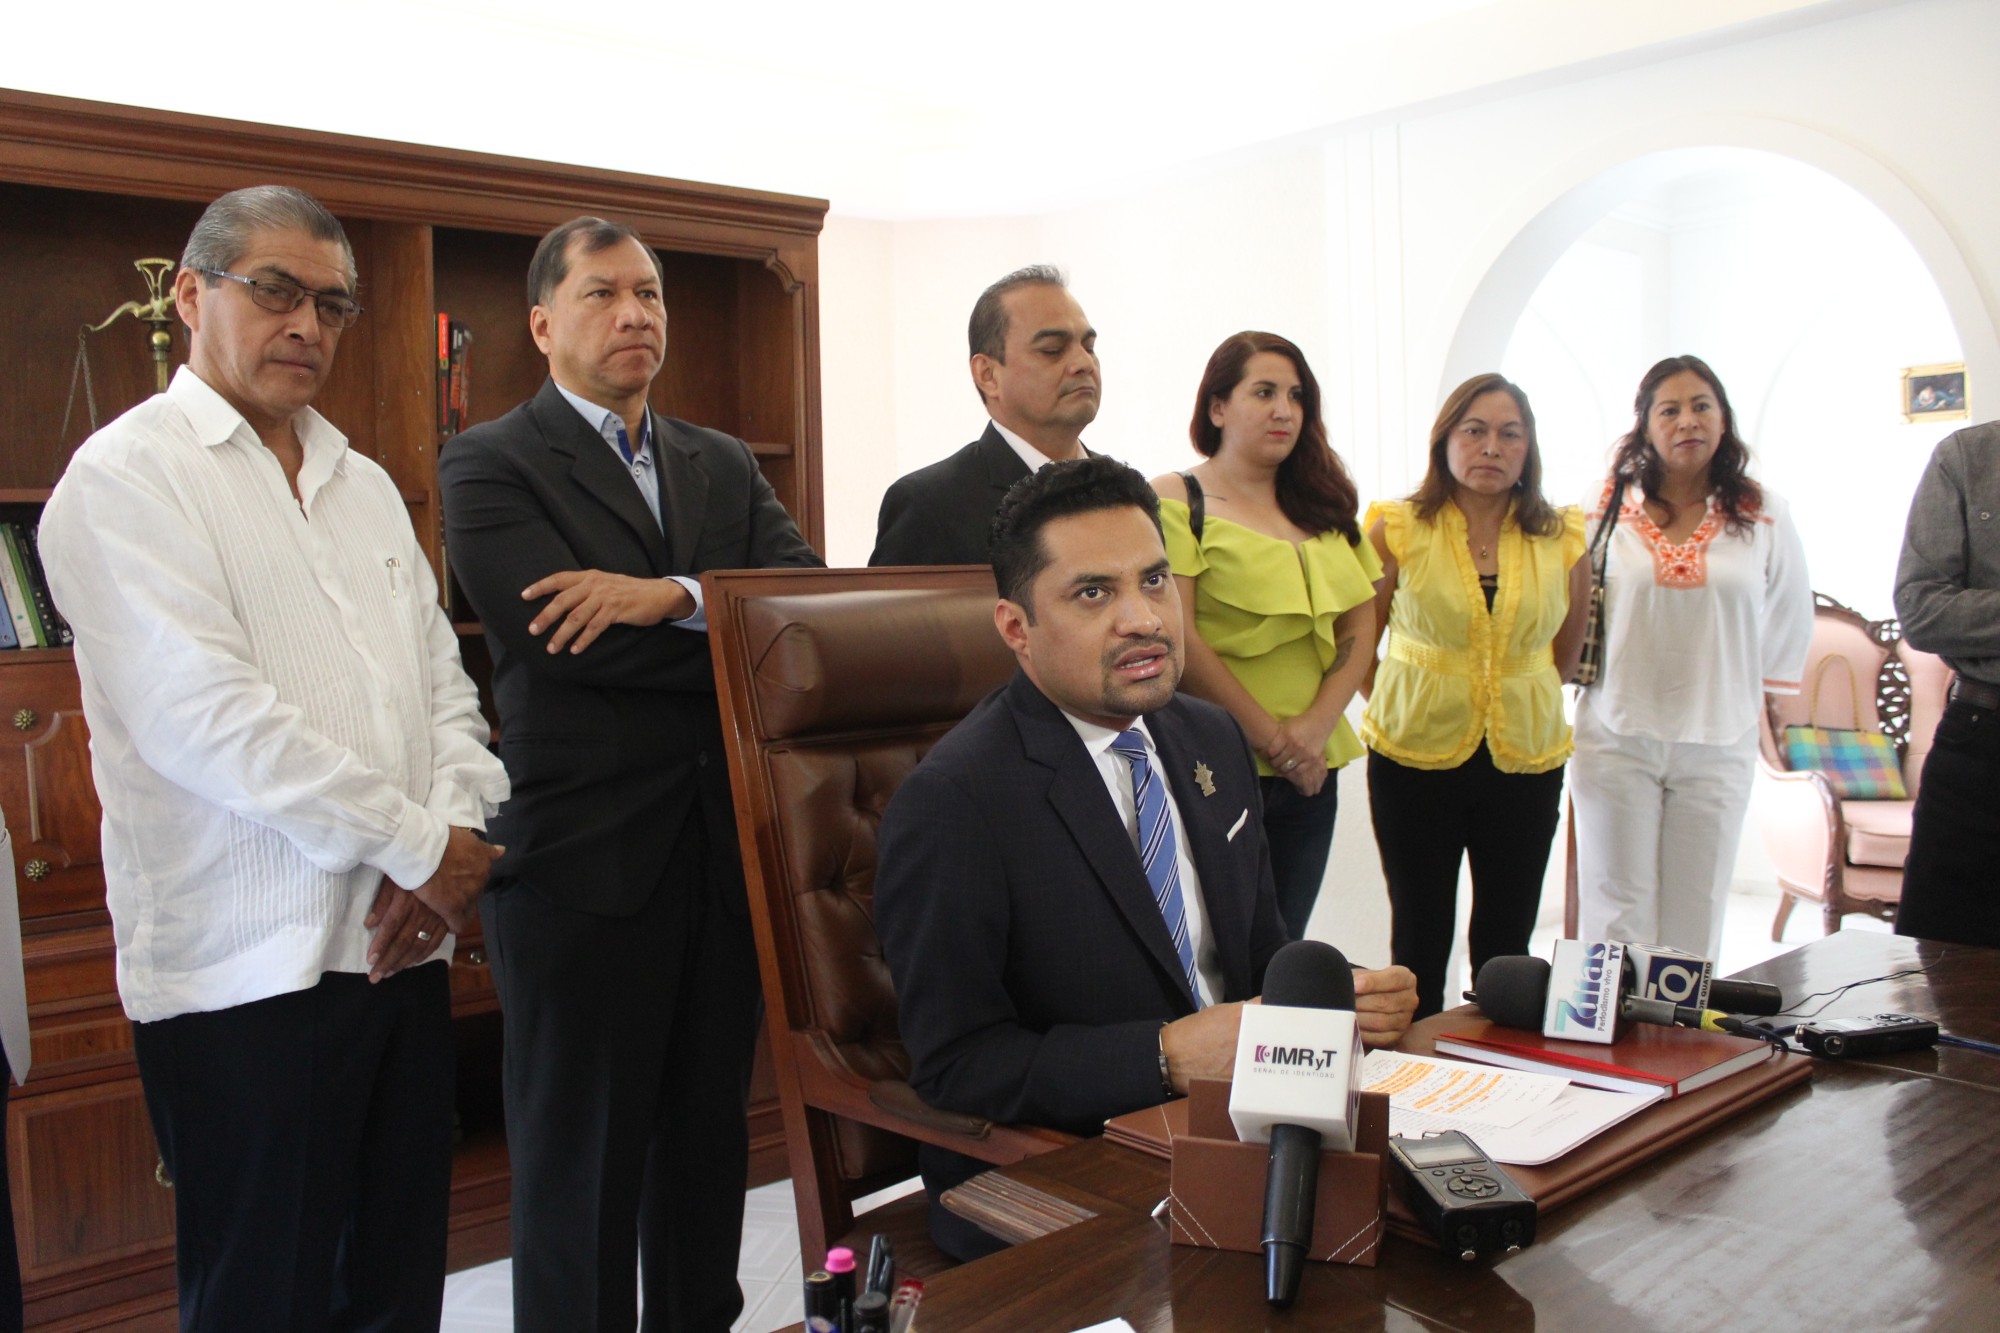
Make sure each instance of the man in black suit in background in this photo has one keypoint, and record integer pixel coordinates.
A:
(1066, 945)
(1034, 363)
(617, 923)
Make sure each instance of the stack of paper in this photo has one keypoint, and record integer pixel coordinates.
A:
(1518, 1119)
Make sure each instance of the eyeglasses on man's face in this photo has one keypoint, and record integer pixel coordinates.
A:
(282, 296)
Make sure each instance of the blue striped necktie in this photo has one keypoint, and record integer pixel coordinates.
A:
(1159, 850)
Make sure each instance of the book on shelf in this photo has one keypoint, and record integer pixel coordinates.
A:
(9, 636)
(14, 583)
(49, 620)
(1643, 1058)
(454, 365)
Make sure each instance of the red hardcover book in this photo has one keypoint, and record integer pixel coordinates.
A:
(444, 373)
(1643, 1059)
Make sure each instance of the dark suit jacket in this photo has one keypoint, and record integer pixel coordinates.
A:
(943, 514)
(1032, 967)
(609, 750)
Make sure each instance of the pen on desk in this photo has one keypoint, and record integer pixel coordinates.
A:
(1991, 1048)
(881, 1265)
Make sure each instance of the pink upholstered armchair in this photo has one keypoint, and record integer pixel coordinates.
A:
(1844, 853)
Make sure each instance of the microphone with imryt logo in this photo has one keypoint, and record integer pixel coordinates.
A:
(1297, 1086)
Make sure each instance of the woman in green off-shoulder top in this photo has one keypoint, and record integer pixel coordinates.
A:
(1281, 584)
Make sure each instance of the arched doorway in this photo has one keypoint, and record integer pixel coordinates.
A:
(1526, 237)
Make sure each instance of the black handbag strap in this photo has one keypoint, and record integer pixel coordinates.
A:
(1600, 541)
(1197, 504)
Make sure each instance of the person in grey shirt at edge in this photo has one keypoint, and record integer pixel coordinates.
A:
(1948, 595)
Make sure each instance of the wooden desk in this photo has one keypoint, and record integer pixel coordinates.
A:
(1959, 989)
(1862, 1200)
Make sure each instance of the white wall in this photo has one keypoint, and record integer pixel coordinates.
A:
(859, 373)
(1245, 253)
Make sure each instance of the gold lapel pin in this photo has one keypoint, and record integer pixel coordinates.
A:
(1204, 778)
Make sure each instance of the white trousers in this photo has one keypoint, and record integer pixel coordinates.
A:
(1657, 824)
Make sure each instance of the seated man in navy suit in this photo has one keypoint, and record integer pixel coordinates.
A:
(1073, 890)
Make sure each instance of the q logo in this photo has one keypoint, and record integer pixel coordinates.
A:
(1675, 983)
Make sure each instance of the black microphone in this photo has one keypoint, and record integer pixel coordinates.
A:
(1758, 998)
(1513, 990)
(1305, 974)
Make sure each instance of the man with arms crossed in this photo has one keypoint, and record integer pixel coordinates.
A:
(292, 766)
(1034, 364)
(1948, 595)
(618, 927)
(1074, 894)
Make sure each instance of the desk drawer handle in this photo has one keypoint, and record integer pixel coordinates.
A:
(24, 719)
(476, 957)
(37, 870)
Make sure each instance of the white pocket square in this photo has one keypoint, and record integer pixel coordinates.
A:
(1237, 827)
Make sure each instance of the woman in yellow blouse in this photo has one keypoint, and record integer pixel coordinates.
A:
(1270, 559)
(1484, 597)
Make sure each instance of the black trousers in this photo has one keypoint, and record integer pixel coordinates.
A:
(1951, 887)
(11, 1314)
(1300, 832)
(1426, 822)
(309, 1140)
(628, 1045)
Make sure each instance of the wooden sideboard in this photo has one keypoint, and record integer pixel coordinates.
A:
(85, 189)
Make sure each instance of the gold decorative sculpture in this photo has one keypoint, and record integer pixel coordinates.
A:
(157, 310)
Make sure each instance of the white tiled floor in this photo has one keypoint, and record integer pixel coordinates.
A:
(480, 1300)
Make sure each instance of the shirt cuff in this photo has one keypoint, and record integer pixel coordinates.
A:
(698, 619)
(458, 807)
(417, 850)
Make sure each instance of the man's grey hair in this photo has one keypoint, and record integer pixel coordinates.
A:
(223, 234)
(986, 333)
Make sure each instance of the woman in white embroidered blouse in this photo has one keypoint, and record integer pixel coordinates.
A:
(1707, 608)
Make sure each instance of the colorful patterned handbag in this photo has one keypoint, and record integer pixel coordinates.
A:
(1861, 765)
(1591, 665)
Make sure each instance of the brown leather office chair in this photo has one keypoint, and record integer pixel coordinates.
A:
(1846, 853)
(834, 684)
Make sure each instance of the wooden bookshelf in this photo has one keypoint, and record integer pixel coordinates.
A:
(85, 189)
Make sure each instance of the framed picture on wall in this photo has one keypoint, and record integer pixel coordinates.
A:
(1934, 393)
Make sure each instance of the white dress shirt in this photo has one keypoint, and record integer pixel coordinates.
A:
(1696, 634)
(278, 715)
(1034, 458)
(608, 424)
(1117, 774)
